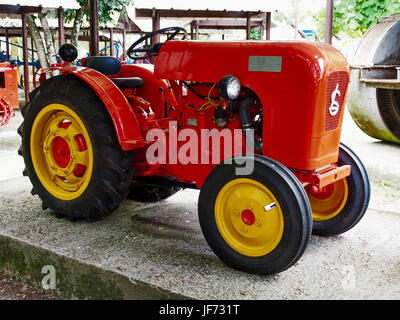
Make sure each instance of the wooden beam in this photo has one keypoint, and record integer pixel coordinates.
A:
(173, 13)
(18, 9)
(17, 31)
(228, 24)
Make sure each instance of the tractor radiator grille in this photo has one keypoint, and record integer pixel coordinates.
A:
(335, 93)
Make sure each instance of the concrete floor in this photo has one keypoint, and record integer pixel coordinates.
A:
(162, 244)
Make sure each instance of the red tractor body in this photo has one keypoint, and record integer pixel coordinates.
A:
(293, 81)
(8, 91)
(93, 132)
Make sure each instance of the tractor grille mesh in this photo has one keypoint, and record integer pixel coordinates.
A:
(335, 93)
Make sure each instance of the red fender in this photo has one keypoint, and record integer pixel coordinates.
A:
(125, 122)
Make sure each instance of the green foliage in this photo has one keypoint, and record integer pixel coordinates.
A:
(355, 17)
(255, 34)
(106, 9)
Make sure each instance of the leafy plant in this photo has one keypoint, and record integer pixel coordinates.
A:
(106, 10)
(355, 17)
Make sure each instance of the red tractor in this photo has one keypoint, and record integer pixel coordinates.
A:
(8, 91)
(254, 125)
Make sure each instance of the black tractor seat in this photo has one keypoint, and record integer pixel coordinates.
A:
(111, 66)
(128, 83)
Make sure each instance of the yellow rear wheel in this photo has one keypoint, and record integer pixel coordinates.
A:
(61, 150)
(72, 154)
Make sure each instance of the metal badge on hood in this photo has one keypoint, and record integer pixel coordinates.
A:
(335, 93)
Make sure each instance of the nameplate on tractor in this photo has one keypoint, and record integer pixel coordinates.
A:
(265, 63)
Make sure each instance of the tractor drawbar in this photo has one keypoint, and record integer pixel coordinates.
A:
(247, 125)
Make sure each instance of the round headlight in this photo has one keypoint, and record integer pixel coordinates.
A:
(229, 87)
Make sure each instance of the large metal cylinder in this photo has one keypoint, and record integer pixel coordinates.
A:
(374, 91)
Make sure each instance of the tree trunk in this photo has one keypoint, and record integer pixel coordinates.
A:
(48, 38)
(37, 38)
(76, 27)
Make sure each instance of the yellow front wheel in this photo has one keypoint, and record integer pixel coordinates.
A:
(259, 223)
(71, 151)
(249, 217)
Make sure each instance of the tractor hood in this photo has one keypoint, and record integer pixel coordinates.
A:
(296, 82)
(209, 61)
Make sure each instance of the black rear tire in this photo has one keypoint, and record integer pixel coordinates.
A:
(151, 191)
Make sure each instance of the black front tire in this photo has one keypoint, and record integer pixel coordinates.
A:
(291, 199)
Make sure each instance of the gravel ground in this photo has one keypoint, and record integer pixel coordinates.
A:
(162, 244)
(11, 289)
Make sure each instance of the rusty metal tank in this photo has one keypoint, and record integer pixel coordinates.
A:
(374, 91)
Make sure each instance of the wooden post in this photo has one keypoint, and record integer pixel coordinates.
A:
(25, 55)
(262, 32)
(123, 44)
(197, 29)
(192, 30)
(94, 27)
(111, 42)
(156, 26)
(296, 19)
(7, 44)
(329, 21)
(61, 32)
(268, 26)
(248, 28)
(33, 55)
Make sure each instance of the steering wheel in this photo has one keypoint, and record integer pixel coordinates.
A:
(152, 50)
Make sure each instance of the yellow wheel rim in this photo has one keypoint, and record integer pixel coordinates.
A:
(330, 202)
(61, 151)
(248, 217)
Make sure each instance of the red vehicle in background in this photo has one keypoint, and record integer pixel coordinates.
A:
(89, 132)
(8, 91)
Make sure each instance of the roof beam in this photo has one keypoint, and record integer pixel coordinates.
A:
(228, 24)
(177, 13)
(18, 9)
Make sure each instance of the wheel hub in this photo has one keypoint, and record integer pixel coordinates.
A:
(61, 152)
(248, 217)
(243, 221)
